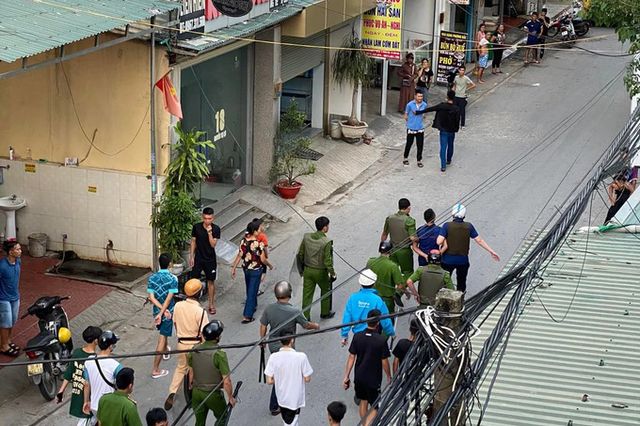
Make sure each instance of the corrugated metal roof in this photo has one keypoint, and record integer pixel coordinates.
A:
(29, 27)
(247, 28)
(549, 366)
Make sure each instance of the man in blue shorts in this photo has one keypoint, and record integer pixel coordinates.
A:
(161, 288)
(9, 296)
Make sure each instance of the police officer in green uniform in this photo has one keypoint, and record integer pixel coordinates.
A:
(432, 278)
(315, 262)
(208, 369)
(388, 276)
(401, 230)
(117, 408)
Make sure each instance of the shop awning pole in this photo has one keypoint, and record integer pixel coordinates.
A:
(385, 84)
(154, 176)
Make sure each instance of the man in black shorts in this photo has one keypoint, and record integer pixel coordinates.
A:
(204, 237)
(370, 353)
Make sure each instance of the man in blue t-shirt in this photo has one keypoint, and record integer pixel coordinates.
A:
(533, 27)
(161, 288)
(456, 235)
(415, 127)
(427, 238)
(9, 296)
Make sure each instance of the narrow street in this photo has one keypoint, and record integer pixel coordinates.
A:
(529, 140)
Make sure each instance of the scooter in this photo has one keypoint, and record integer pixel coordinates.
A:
(46, 346)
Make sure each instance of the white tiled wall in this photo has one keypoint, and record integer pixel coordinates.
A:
(59, 201)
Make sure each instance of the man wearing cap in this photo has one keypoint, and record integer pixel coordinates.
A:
(315, 263)
(431, 279)
(457, 234)
(209, 371)
(100, 374)
(283, 317)
(388, 276)
(400, 227)
(189, 319)
(359, 305)
(117, 408)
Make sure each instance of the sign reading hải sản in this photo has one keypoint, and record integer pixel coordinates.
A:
(381, 30)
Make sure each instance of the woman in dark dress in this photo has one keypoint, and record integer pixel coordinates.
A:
(407, 73)
(619, 192)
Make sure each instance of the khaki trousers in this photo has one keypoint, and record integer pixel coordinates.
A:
(181, 369)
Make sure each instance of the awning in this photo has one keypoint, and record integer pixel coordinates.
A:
(29, 27)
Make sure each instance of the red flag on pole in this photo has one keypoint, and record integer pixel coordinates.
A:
(171, 101)
(210, 11)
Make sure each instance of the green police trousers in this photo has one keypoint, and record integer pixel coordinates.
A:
(215, 403)
(391, 304)
(311, 278)
(404, 258)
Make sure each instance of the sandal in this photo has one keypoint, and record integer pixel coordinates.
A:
(420, 164)
(162, 373)
(212, 311)
(14, 346)
(12, 352)
(167, 357)
(405, 162)
(247, 320)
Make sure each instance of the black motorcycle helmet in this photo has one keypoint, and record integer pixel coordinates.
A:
(434, 256)
(213, 330)
(107, 339)
(385, 247)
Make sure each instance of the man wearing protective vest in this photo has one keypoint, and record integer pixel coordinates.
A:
(457, 234)
(401, 230)
(431, 279)
(389, 279)
(315, 258)
(189, 319)
(209, 371)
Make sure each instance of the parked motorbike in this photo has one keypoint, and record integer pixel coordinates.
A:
(53, 342)
(563, 30)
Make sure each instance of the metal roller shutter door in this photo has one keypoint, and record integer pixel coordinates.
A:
(296, 60)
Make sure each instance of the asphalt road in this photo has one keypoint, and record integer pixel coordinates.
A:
(564, 112)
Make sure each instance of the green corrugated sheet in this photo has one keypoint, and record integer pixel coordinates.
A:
(247, 28)
(29, 27)
(549, 366)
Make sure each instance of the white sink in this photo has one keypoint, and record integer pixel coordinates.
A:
(9, 205)
(12, 203)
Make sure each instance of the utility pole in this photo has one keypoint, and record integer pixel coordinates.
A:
(450, 304)
(152, 130)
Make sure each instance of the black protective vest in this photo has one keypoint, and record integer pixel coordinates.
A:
(458, 237)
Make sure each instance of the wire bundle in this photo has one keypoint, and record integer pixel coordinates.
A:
(411, 393)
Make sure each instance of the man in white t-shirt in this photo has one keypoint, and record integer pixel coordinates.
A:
(95, 372)
(289, 370)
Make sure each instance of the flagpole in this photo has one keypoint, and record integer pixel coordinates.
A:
(154, 176)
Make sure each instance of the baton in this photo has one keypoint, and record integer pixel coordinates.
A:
(224, 420)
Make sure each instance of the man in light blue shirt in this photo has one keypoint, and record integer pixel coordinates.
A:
(359, 305)
(415, 127)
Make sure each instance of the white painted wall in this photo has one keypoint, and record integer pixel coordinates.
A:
(59, 201)
(317, 96)
(417, 22)
(340, 96)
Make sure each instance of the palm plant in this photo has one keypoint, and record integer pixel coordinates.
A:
(189, 164)
(352, 65)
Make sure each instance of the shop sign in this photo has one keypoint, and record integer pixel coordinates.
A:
(381, 30)
(451, 53)
(461, 2)
(276, 4)
(233, 8)
(191, 19)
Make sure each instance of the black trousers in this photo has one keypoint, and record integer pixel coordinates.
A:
(497, 58)
(461, 274)
(462, 106)
(419, 137)
(542, 42)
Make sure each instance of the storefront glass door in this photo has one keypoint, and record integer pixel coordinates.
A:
(214, 99)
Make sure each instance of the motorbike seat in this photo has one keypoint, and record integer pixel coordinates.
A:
(41, 341)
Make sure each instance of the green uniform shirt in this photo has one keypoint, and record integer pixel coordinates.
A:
(424, 292)
(388, 273)
(409, 224)
(73, 374)
(116, 409)
(328, 251)
(220, 360)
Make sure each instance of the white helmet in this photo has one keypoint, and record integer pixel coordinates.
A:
(459, 211)
(367, 278)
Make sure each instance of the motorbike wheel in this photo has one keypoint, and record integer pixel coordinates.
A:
(583, 31)
(48, 380)
(552, 32)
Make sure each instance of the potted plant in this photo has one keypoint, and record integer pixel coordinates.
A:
(287, 165)
(352, 65)
(176, 211)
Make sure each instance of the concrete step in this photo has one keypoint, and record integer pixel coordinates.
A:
(230, 213)
(234, 230)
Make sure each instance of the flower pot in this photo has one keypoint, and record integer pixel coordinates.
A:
(177, 269)
(286, 191)
(353, 132)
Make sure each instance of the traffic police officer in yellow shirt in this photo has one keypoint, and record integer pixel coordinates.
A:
(400, 227)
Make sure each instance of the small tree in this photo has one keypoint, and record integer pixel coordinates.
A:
(352, 65)
(175, 215)
(289, 142)
(188, 165)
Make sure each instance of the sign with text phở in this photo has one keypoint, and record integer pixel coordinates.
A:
(381, 32)
(451, 53)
